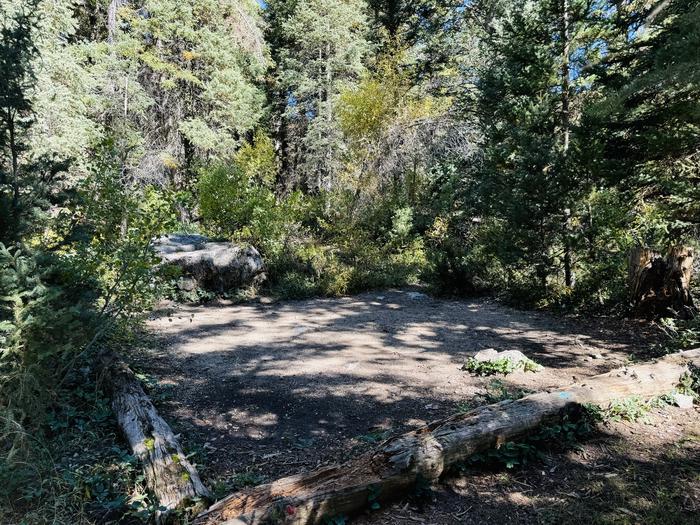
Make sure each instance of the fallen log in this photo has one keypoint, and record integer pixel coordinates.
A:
(169, 475)
(394, 467)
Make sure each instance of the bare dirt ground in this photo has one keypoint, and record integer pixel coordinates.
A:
(265, 389)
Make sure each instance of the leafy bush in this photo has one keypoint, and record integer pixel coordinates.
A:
(258, 161)
(499, 365)
(236, 206)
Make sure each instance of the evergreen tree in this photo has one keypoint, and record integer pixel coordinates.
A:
(324, 46)
(647, 121)
(189, 81)
(529, 91)
(17, 81)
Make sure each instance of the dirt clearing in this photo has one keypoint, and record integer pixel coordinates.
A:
(263, 390)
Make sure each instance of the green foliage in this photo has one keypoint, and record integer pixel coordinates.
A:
(83, 472)
(690, 383)
(499, 366)
(636, 409)
(630, 409)
(565, 434)
(681, 335)
(258, 161)
(235, 205)
(320, 49)
(496, 392)
(205, 56)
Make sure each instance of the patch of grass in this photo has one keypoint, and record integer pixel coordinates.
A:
(499, 365)
(632, 409)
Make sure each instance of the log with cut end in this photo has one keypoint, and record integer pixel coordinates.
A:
(169, 475)
(393, 469)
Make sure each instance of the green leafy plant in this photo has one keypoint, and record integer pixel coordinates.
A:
(632, 409)
(689, 383)
(499, 366)
(565, 434)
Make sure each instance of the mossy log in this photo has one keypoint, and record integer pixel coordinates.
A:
(169, 475)
(392, 469)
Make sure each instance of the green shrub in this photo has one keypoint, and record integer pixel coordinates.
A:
(499, 365)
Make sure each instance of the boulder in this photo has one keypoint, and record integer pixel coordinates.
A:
(682, 400)
(214, 265)
(516, 358)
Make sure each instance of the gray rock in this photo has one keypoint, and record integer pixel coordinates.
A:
(216, 266)
(514, 356)
(683, 401)
(488, 354)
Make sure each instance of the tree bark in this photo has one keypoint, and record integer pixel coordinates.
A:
(396, 465)
(169, 475)
(566, 131)
(660, 286)
(112, 10)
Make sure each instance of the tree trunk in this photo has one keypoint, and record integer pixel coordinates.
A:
(424, 454)
(112, 9)
(566, 132)
(169, 475)
(660, 286)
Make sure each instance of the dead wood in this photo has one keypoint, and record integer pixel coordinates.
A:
(393, 469)
(169, 474)
(660, 286)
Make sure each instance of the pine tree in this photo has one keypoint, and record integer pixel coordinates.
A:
(646, 124)
(530, 89)
(17, 79)
(188, 83)
(323, 46)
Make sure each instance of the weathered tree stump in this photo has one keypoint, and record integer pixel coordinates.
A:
(169, 475)
(398, 464)
(660, 286)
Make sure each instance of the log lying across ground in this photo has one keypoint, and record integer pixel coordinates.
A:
(394, 467)
(169, 475)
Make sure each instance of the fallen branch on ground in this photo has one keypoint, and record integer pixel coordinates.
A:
(169, 475)
(393, 469)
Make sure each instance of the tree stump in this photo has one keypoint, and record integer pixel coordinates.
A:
(660, 286)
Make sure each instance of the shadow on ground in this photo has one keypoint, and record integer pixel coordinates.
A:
(264, 390)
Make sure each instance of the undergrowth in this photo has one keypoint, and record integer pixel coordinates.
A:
(571, 428)
(496, 392)
(499, 365)
(564, 434)
(75, 467)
